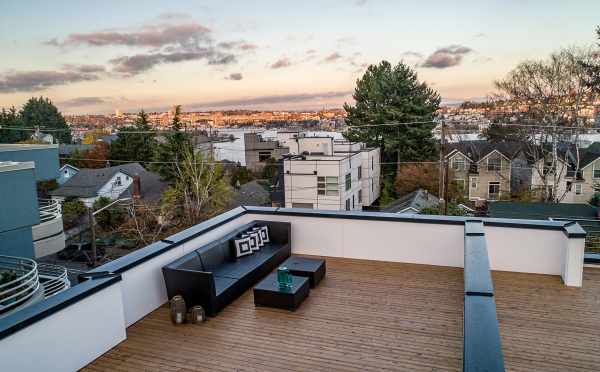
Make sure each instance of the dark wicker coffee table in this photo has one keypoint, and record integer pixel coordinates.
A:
(312, 268)
(268, 292)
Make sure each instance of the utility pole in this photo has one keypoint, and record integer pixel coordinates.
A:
(442, 191)
(93, 229)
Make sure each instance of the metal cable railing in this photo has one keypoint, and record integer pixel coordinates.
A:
(49, 209)
(20, 281)
(53, 279)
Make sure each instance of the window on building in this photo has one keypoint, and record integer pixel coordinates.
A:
(360, 173)
(372, 163)
(596, 172)
(302, 205)
(264, 156)
(118, 181)
(328, 186)
(458, 163)
(360, 196)
(347, 204)
(353, 204)
(494, 163)
(66, 171)
(493, 190)
(348, 181)
(578, 189)
(474, 183)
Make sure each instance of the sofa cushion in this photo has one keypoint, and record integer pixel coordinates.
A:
(239, 268)
(222, 284)
(243, 246)
(213, 255)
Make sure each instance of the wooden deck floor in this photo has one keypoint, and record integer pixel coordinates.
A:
(374, 316)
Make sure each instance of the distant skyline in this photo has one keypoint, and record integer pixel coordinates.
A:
(95, 57)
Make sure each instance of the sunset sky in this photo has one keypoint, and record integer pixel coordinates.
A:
(95, 57)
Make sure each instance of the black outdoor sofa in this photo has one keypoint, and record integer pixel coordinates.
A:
(212, 277)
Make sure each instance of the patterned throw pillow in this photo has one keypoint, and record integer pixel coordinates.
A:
(242, 247)
(256, 231)
(264, 234)
(253, 240)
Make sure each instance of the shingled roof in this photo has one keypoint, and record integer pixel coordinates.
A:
(87, 182)
(477, 150)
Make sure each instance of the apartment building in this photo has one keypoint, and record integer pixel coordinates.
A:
(258, 151)
(323, 173)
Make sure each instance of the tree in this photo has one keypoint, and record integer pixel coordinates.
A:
(239, 175)
(135, 143)
(41, 112)
(10, 118)
(389, 95)
(72, 210)
(97, 156)
(110, 217)
(548, 96)
(171, 151)
(200, 188)
(424, 176)
(591, 67)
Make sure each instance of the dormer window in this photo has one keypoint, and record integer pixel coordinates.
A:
(458, 163)
(118, 181)
(494, 163)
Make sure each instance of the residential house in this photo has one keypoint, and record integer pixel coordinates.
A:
(323, 173)
(65, 173)
(413, 203)
(488, 171)
(121, 181)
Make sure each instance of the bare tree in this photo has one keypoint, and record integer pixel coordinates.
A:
(147, 222)
(549, 95)
(200, 187)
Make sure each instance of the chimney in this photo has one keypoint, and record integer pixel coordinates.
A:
(137, 187)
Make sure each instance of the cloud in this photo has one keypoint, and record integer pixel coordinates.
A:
(410, 53)
(346, 40)
(30, 81)
(84, 101)
(332, 57)
(136, 64)
(234, 76)
(360, 2)
(281, 63)
(241, 45)
(311, 51)
(446, 57)
(152, 36)
(273, 100)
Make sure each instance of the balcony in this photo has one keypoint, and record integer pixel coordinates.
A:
(26, 282)
(48, 235)
(401, 292)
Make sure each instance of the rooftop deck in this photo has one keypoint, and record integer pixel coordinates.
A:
(369, 315)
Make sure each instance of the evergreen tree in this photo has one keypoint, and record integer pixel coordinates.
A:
(388, 94)
(131, 145)
(176, 144)
(42, 112)
(10, 118)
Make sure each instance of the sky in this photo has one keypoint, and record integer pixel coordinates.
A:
(98, 56)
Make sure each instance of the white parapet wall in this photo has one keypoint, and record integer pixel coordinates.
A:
(70, 338)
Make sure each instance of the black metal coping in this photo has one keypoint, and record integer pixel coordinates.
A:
(38, 311)
(477, 273)
(591, 258)
(482, 346)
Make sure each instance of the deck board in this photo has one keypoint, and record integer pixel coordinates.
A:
(375, 316)
(364, 316)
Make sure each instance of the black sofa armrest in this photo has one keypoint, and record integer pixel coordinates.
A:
(196, 287)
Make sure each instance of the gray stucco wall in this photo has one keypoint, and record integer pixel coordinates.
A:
(45, 158)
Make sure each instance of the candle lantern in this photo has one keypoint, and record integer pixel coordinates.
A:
(196, 315)
(178, 310)
(284, 278)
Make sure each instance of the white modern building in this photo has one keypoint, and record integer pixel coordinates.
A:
(324, 173)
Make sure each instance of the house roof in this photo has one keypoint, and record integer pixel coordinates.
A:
(68, 166)
(415, 201)
(68, 149)
(88, 182)
(477, 150)
(252, 193)
(541, 211)
(589, 154)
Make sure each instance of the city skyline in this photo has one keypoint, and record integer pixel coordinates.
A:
(98, 57)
